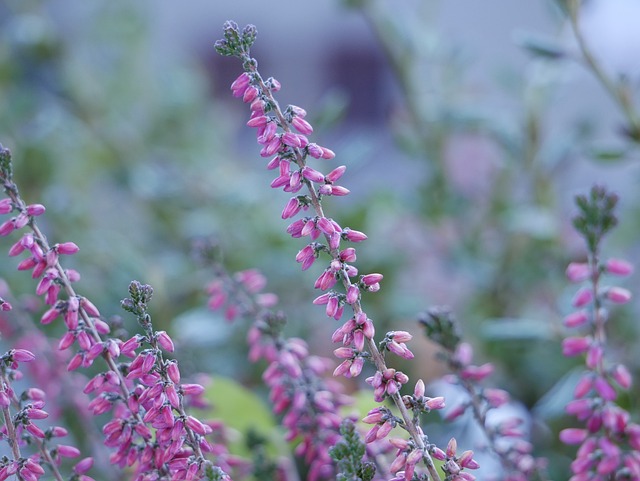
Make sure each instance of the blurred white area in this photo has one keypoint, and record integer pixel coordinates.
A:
(612, 31)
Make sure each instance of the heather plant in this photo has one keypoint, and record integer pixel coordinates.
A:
(150, 430)
(145, 409)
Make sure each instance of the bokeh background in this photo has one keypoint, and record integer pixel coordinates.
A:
(467, 129)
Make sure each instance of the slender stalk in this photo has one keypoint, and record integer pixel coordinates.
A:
(376, 357)
(621, 96)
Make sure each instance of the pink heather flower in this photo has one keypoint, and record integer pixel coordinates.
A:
(83, 466)
(576, 319)
(165, 341)
(258, 121)
(302, 125)
(622, 376)
(22, 355)
(594, 356)
(250, 95)
(578, 272)
(463, 354)
(292, 208)
(335, 174)
(585, 384)
(583, 297)
(35, 209)
(618, 267)
(6, 206)
(477, 373)
(67, 248)
(618, 295)
(496, 397)
(371, 279)
(353, 294)
(605, 389)
(573, 435)
(435, 402)
(7, 227)
(400, 349)
(240, 84)
(572, 346)
(353, 235)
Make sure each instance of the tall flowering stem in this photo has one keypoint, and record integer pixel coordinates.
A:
(149, 429)
(283, 136)
(505, 438)
(609, 442)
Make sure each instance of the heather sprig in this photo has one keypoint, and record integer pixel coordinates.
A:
(149, 428)
(20, 413)
(283, 134)
(609, 441)
(505, 439)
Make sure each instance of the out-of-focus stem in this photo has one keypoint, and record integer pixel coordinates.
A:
(621, 96)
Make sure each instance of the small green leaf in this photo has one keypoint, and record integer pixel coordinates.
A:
(608, 154)
(541, 46)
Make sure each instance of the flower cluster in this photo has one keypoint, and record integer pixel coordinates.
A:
(150, 429)
(609, 442)
(282, 133)
(505, 437)
(20, 428)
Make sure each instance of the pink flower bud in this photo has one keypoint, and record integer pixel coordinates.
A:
(622, 376)
(35, 209)
(353, 235)
(259, 121)
(196, 426)
(572, 346)
(89, 308)
(37, 414)
(165, 341)
(578, 272)
(291, 209)
(35, 430)
(371, 279)
(327, 154)
(573, 435)
(619, 267)
(83, 466)
(192, 389)
(173, 372)
(325, 225)
(576, 319)
(605, 389)
(352, 294)
(22, 355)
(67, 248)
(618, 295)
(583, 297)
(302, 125)
(6, 206)
(435, 403)
(240, 84)
(477, 373)
(250, 95)
(335, 174)
(68, 451)
(7, 227)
